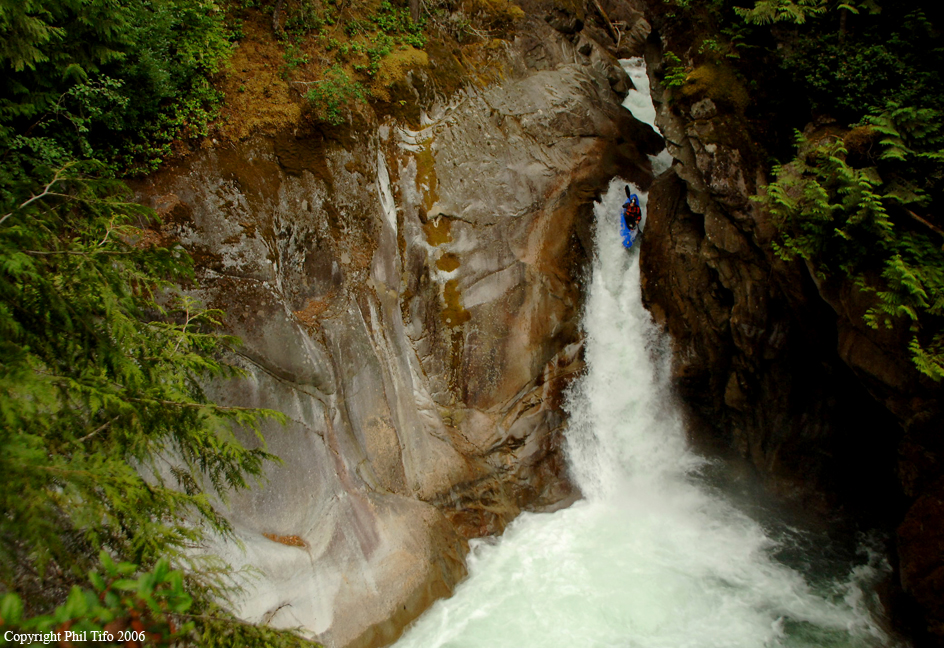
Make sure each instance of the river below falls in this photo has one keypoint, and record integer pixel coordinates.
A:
(653, 556)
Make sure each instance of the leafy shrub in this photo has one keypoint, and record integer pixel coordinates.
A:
(848, 79)
(381, 46)
(675, 73)
(867, 208)
(127, 607)
(334, 96)
(305, 17)
(396, 21)
(117, 609)
(861, 223)
(154, 58)
(294, 56)
(770, 11)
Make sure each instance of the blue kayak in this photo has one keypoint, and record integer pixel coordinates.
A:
(629, 236)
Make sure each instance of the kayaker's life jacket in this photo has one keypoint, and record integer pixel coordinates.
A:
(632, 214)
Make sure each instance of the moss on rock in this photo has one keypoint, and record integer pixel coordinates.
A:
(394, 68)
(719, 83)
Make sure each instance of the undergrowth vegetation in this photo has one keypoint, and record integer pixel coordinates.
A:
(861, 197)
(114, 460)
(340, 55)
(333, 94)
(119, 82)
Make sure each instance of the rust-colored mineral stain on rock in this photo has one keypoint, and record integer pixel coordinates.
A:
(448, 262)
(438, 231)
(426, 181)
(454, 314)
(289, 540)
(313, 309)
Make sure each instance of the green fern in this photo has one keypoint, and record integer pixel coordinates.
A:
(765, 12)
(675, 73)
(854, 222)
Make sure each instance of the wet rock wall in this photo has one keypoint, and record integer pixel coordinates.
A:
(409, 297)
(778, 367)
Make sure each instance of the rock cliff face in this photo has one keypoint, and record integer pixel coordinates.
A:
(776, 366)
(409, 299)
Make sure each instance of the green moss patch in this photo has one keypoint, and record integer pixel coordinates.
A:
(718, 83)
(394, 67)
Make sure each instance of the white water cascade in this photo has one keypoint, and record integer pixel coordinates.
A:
(652, 557)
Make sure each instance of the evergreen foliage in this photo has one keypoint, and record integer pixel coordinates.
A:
(356, 47)
(102, 367)
(675, 73)
(109, 440)
(797, 12)
(861, 223)
(333, 95)
(119, 606)
(110, 444)
(849, 75)
(124, 607)
(117, 80)
(770, 11)
(863, 199)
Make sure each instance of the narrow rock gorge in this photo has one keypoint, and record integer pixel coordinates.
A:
(409, 296)
(408, 289)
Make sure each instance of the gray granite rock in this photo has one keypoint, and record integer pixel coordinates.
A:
(410, 301)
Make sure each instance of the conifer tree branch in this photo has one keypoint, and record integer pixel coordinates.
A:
(184, 404)
(45, 192)
(94, 432)
(925, 222)
(76, 253)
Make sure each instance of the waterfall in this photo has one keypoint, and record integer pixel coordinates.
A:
(651, 557)
(639, 102)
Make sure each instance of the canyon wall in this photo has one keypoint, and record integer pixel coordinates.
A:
(408, 296)
(776, 366)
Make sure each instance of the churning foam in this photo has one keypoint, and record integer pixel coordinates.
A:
(650, 559)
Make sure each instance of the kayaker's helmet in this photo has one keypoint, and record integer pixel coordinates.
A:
(633, 200)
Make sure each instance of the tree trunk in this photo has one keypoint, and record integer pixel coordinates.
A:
(277, 18)
(606, 21)
(416, 10)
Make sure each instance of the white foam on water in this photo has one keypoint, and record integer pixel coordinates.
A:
(650, 558)
(639, 102)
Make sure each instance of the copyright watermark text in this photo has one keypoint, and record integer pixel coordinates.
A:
(32, 638)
